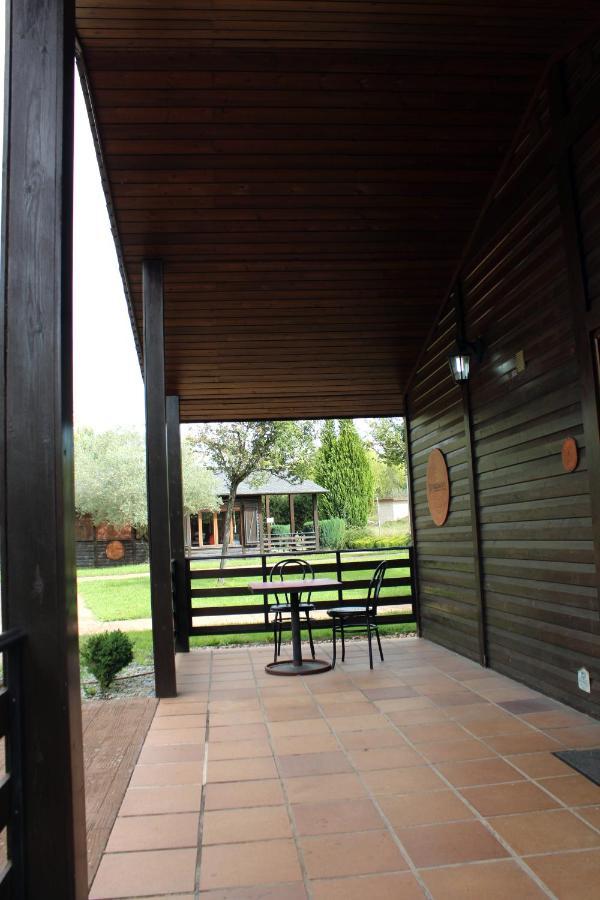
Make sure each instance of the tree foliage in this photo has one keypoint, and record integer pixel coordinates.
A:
(342, 466)
(389, 441)
(110, 478)
(389, 480)
(242, 451)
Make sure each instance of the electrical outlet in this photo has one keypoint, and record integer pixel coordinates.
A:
(583, 681)
(520, 361)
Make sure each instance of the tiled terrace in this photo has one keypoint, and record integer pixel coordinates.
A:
(428, 777)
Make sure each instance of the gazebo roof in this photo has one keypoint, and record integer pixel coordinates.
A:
(270, 484)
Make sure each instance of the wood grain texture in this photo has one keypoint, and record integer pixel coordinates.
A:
(309, 175)
(530, 263)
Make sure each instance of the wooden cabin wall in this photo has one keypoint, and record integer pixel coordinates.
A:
(535, 530)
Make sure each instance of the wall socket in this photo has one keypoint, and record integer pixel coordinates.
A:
(583, 681)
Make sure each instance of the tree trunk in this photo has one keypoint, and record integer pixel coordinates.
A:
(227, 527)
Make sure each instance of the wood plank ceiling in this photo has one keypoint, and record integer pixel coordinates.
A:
(309, 171)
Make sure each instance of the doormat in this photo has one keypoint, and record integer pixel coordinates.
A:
(587, 762)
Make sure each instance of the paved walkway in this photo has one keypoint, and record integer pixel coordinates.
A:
(427, 777)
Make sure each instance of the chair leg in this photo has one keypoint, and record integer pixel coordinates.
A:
(370, 647)
(280, 635)
(334, 645)
(343, 642)
(275, 640)
(379, 642)
(310, 637)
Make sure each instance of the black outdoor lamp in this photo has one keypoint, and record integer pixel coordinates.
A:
(463, 355)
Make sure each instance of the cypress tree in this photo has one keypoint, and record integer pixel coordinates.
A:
(342, 466)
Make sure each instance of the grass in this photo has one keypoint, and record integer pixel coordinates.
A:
(111, 571)
(112, 600)
(142, 640)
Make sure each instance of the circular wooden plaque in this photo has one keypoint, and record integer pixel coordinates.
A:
(438, 487)
(570, 454)
(115, 550)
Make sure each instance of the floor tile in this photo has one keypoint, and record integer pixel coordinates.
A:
(509, 744)
(396, 886)
(313, 789)
(194, 708)
(404, 717)
(249, 732)
(299, 728)
(164, 723)
(240, 769)
(403, 781)
(358, 722)
(385, 758)
(227, 826)
(294, 891)
(252, 863)
(479, 771)
(165, 799)
(367, 740)
(424, 809)
(501, 799)
(239, 749)
(336, 816)
(483, 881)
(545, 832)
(434, 731)
(573, 790)
(591, 814)
(175, 736)
(234, 794)
(171, 754)
(308, 743)
(144, 874)
(154, 832)
(571, 876)
(439, 845)
(327, 856)
(167, 773)
(540, 765)
(313, 764)
(444, 751)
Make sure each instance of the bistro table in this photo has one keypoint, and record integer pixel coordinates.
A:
(297, 665)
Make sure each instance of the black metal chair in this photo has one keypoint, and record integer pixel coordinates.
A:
(283, 607)
(361, 619)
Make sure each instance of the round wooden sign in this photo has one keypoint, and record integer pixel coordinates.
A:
(115, 550)
(438, 487)
(570, 454)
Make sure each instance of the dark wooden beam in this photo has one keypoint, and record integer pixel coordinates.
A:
(412, 519)
(471, 465)
(182, 602)
(315, 508)
(158, 490)
(292, 514)
(37, 515)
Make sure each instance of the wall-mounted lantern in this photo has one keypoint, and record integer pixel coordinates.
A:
(464, 354)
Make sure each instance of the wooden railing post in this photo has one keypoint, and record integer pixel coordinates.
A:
(338, 568)
(181, 602)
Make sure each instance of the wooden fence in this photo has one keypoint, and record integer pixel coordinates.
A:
(12, 872)
(352, 567)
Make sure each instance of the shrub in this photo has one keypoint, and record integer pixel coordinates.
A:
(106, 654)
(333, 533)
(280, 529)
(375, 543)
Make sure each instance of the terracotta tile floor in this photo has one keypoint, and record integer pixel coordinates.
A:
(428, 777)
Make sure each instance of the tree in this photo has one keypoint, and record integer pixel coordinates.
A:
(389, 441)
(390, 480)
(342, 466)
(252, 450)
(110, 478)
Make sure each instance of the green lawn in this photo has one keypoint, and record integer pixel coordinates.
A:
(142, 640)
(107, 571)
(111, 600)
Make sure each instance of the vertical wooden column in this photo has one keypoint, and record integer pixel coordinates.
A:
(36, 491)
(267, 517)
(157, 476)
(182, 601)
(315, 507)
(292, 514)
(412, 520)
(473, 497)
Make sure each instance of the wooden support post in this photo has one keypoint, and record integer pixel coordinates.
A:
(182, 601)
(414, 559)
(473, 497)
(36, 444)
(292, 514)
(158, 490)
(267, 517)
(315, 507)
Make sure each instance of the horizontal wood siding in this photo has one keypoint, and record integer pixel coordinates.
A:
(448, 605)
(538, 536)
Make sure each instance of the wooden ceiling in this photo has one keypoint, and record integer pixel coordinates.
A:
(309, 171)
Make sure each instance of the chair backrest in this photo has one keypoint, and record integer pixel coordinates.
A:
(375, 587)
(297, 570)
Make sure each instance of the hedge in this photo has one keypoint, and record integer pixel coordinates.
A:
(377, 543)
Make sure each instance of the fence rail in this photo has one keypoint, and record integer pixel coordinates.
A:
(351, 567)
(11, 784)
